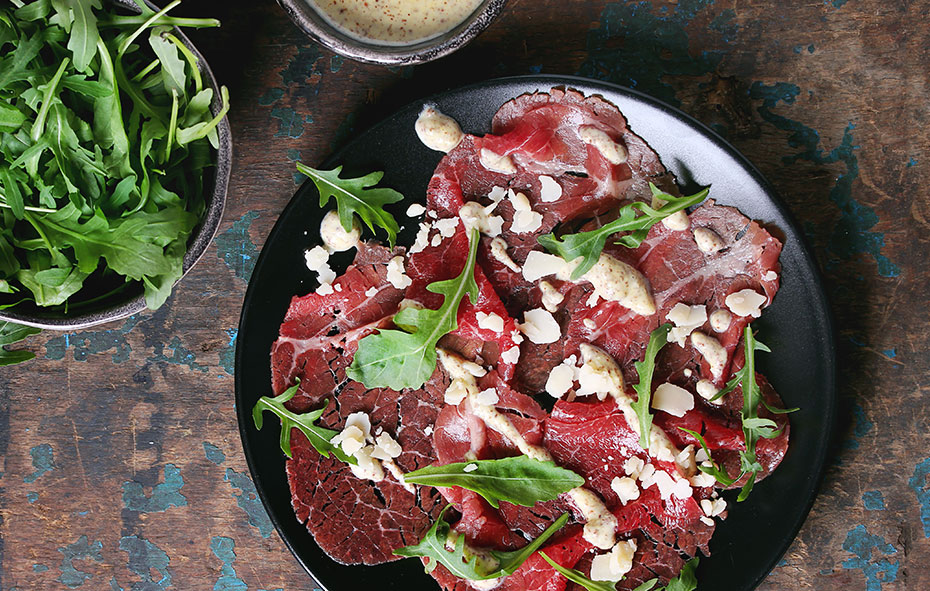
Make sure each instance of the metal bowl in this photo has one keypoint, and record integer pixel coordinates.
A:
(132, 299)
(324, 33)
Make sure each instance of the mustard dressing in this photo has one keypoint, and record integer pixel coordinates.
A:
(395, 22)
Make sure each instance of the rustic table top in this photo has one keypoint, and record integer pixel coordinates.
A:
(120, 461)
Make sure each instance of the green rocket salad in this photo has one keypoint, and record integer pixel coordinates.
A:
(105, 135)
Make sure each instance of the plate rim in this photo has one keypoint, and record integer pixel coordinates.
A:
(824, 441)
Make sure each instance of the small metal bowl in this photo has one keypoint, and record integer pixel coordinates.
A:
(314, 25)
(132, 300)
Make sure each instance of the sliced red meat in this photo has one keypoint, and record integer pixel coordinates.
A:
(318, 330)
(679, 272)
(359, 521)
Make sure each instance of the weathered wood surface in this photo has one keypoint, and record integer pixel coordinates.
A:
(121, 462)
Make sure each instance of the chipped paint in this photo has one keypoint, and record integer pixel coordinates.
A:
(81, 549)
(164, 495)
(32, 496)
(873, 500)
(861, 426)
(225, 549)
(43, 460)
(86, 343)
(636, 47)
(148, 561)
(290, 122)
(39, 568)
(228, 355)
(851, 236)
(248, 501)
(912, 162)
(335, 63)
(294, 156)
(870, 551)
(236, 248)
(724, 24)
(213, 453)
(270, 97)
(302, 67)
(180, 355)
(919, 483)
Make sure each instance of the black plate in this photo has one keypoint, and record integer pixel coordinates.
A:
(797, 326)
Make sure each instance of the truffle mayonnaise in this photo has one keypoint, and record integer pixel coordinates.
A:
(600, 525)
(437, 131)
(617, 281)
(334, 236)
(395, 22)
(611, 151)
(604, 376)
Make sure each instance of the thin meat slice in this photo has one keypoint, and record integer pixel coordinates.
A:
(318, 329)
(679, 272)
(354, 520)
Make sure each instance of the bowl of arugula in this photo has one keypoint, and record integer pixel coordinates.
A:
(114, 161)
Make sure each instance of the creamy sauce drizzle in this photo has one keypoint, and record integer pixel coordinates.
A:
(601, 524)
(394, 22)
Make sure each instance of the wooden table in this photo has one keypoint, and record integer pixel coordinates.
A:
(121, 463)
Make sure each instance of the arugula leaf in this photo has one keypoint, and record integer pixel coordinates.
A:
(714, 470)
(645, 368)
(113, 134)
(579, 578)
(84, 35)
(754, 427)
(11, 333)
(397, 359)
(588, 245)
(356, 196)
(686, 579)
(466, 565)
(318, 436)
(520, 480)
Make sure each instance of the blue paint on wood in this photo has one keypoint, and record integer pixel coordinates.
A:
(912, 162)
(290, 122)
(852, 234)
(86, 343)
(870, 557)
(891, 352)
(861, 426)
(873, 500)
(335, 63)
(225, 549)
(301, 68)
(921, 487)
(180, 355)
(228, 354)
(213, 453)
(724, 24)
(81, 549)
(637, 47)
(164, 495)
(248, 501)
(32, 496)
(39, 568)
(271, 96)
(43, 460)
(149, 562)
(236, 248)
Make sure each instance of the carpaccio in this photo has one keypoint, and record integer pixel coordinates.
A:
(555, 158)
